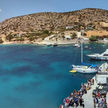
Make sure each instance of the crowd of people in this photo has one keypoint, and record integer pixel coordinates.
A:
(100, 101)
(75, 99)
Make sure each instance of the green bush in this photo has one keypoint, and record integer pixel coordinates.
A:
(9, 37)
(46, 32)
(93, 38)
(74, 35)
(34, 35)
(44, 36)
(19, 39)
(1, 41)
(32, 38)
(63, 37)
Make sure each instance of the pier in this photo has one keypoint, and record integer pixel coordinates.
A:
(88, 99)
(98, 90)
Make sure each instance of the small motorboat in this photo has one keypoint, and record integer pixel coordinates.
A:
(86, 47)
(103, 56)
(49, 45)
(55, 44)
(77, 45)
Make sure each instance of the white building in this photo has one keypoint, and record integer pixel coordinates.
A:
(78, 34)
(67, 36)
(69, 27)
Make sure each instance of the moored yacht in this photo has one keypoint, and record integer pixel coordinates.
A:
(103, 56)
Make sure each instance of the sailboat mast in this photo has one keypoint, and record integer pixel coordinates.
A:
(82, 34)
(81, 50)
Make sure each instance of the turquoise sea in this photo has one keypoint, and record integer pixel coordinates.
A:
(38, 76)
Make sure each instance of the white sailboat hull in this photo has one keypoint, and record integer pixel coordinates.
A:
(84, 69)
(103, 56)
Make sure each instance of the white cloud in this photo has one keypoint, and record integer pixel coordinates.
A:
(0, 10)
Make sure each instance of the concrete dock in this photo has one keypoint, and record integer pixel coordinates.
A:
(88, 99)
(100, 83)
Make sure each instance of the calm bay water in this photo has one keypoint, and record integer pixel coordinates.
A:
(38, 76)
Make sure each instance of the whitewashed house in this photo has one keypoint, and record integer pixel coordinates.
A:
(69, 27)
(67, 36)
(79, 34)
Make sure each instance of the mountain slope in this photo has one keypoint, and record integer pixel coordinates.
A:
(54, 21)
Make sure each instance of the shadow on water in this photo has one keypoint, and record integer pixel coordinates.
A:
(84, 76)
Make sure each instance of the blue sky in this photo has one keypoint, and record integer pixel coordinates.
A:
(12, 8)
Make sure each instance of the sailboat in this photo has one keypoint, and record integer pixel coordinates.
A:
(84, 67)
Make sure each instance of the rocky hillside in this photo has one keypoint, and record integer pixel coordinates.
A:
(90, 17)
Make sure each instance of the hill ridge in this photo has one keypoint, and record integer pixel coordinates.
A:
(54, 20)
